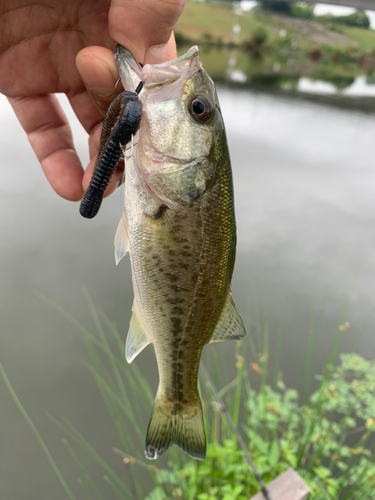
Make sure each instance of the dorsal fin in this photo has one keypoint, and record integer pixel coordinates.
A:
(122, 246)
(137, 338)
(230, 325)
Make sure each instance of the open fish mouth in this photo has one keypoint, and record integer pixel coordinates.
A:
(131, 72)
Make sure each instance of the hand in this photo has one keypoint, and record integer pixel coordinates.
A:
(38, 48)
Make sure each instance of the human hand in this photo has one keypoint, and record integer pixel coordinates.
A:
(38, 50)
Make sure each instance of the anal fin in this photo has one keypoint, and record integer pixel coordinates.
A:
(137, 338)
(230, 325)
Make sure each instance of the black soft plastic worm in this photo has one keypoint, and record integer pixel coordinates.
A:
(120, 123)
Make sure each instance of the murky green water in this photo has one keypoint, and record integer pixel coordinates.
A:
(305, 202)
(286, 72)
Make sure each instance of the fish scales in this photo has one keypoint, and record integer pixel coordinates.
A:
(179, 228)
(182, 285)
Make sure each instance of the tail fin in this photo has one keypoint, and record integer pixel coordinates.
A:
(176, 423)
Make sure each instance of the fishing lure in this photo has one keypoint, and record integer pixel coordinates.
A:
(120, 123)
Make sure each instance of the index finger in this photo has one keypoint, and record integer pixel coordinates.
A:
(50, 136)
(149, 23)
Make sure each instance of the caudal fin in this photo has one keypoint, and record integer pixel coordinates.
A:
(176, 423)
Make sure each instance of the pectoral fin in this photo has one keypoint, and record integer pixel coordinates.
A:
(122, 245)
(137, 338)
(230, 325)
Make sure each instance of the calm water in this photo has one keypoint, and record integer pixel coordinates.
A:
(305, 201)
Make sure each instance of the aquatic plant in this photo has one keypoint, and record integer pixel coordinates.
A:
(325, 434)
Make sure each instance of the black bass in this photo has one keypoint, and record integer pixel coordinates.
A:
(179, 229)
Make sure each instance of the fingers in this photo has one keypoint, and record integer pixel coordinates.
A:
(98, 70)
(149, 24)
(50, 137)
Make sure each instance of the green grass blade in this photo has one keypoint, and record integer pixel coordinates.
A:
(332, 357)
(36, 433)
(77, 437)
(133, 460)
(84, 489)
(279, 338)
(237, 397)
(109, 354)
(120, 433)
(265, 355)
(112, 406)
(116, 400)
(114, 487)
(81, 468)
(309, 354)
(355, 486)
(69, 317)
(133, 374)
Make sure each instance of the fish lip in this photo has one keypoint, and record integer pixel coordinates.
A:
(122, 52)
(193, 51)
(155, 75)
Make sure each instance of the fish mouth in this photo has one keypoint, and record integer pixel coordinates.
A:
(192, 52)
(123, 53)
(154, 75)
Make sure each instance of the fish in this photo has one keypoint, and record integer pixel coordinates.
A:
(179, 229)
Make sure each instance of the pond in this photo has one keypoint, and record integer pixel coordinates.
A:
(304, 177)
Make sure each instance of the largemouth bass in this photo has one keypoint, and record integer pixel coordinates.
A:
(179, 229)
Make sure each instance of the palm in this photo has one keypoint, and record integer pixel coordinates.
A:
(42, 60)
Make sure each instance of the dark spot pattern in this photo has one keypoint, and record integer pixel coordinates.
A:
(174, 300)
(177, 310)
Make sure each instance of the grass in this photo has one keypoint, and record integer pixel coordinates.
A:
(35, 432)
(364, 38)
(326, 436)
(341, 49)
(198, 19)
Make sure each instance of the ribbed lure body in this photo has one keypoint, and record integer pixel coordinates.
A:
(120, 123)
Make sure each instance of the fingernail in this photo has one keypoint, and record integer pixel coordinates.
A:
(97, 78)
(156, 54)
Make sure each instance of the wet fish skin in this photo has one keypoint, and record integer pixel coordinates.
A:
(179, 228)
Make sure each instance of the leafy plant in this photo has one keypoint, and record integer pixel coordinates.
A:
(302, 11)
(358, 19)
(326, 440)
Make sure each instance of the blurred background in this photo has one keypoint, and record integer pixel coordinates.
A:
(296, 83)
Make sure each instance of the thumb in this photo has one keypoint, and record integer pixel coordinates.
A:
(145, 27)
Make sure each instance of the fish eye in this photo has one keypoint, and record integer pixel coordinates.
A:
(201, 108)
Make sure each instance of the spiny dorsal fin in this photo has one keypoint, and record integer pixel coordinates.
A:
(230, 325)
(122, 246)
(137, 338)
